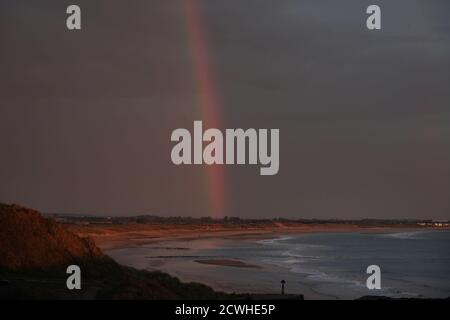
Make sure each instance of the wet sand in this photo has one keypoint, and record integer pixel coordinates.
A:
(194, 264)
(227, 263)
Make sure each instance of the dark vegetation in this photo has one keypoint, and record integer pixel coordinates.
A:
(230, 221)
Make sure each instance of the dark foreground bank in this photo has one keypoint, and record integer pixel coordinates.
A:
(36, 251)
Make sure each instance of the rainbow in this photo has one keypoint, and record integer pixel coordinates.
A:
(207, 100)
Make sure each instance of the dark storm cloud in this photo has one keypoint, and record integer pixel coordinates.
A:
(364, 116)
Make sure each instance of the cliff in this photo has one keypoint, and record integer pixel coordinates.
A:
(35, 252)
(28, 240)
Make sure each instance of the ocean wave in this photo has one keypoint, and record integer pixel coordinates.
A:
(301, 257)
(275, 240)
(410, 235)
(319, 277)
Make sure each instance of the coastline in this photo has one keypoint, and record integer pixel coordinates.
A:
(109, 237)
(172, 261)
(174, 252)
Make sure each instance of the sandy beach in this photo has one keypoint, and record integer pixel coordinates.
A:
(228, 257)
(116, 236)
(317, 262)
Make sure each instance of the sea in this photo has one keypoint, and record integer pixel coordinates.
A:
(413, 264)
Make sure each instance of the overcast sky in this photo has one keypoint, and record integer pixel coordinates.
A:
(364, 116)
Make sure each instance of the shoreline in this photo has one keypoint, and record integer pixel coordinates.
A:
(198, 268)
(219, 256)
(114, 237)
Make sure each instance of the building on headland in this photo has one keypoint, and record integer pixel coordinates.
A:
(435, 223)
